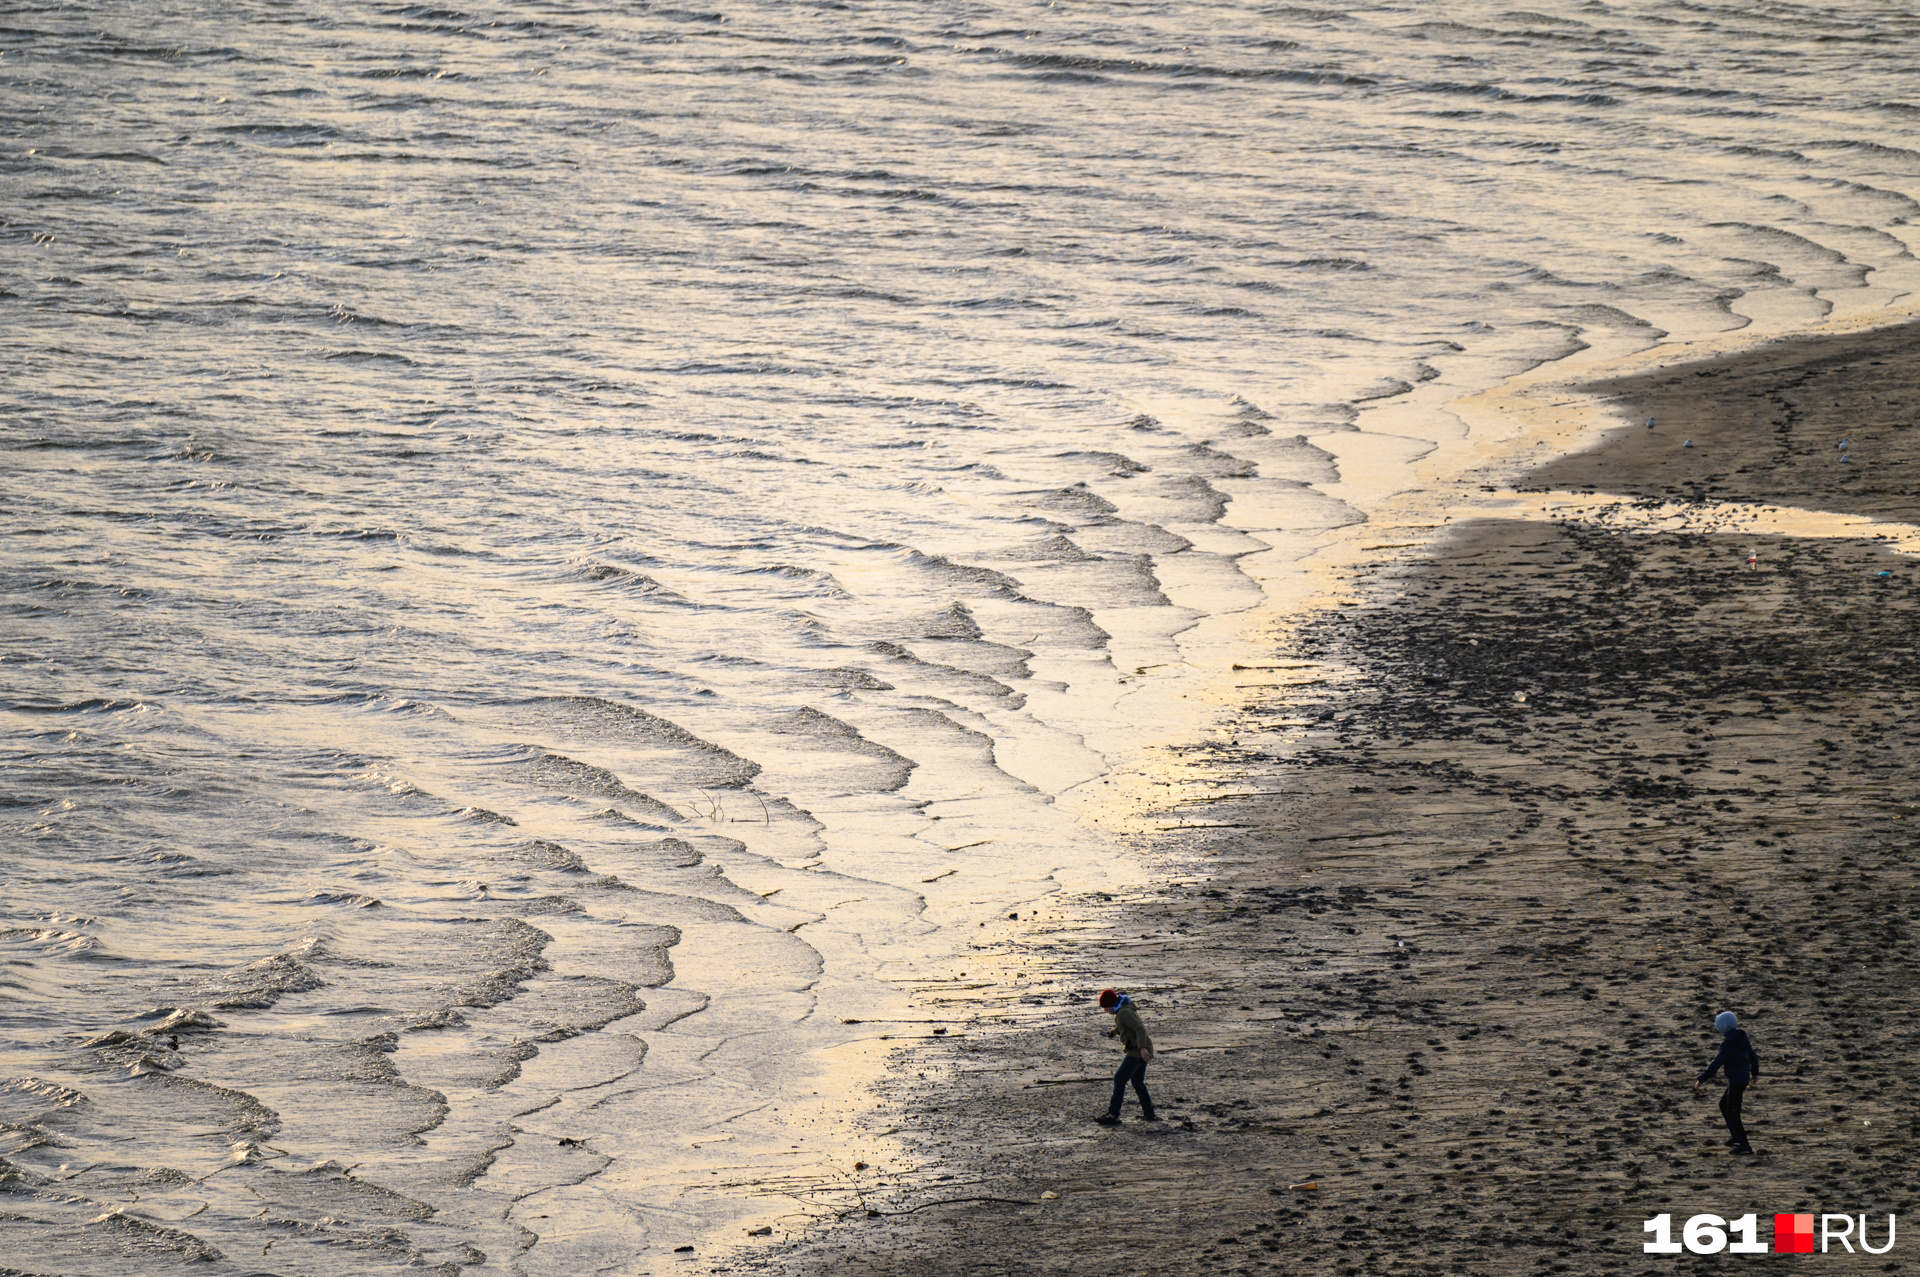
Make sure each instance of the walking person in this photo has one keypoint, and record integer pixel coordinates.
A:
(1133, 1065)
(1743, 1066)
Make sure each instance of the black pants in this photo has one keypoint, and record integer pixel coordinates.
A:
(1730, 1109)
(1132, 1069)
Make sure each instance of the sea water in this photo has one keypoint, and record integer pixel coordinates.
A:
(566, 566)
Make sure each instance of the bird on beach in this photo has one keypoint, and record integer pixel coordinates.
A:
(1649, 423)
(1687, 444)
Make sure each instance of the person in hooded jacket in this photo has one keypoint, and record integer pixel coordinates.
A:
(1133, 1065)
(1742, 1063)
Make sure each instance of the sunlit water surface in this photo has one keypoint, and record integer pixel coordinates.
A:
(556, 555)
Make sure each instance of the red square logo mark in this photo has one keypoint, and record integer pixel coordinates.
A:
(1793, 1234)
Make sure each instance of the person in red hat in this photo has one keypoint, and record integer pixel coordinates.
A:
(1133, 1066)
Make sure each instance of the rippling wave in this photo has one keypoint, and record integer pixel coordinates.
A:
(556, 556)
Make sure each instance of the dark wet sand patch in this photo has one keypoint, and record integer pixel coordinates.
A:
(1767, 427)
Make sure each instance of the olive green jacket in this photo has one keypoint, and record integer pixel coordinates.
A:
(1133, 1034)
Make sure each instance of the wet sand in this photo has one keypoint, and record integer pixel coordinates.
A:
(1767, 426)
(1451, 955)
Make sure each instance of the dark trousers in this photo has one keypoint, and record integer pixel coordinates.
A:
(1730, 1109)
(1132, 1069)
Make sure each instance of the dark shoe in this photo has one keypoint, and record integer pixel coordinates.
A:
(1108, 1119)
(1743, 1150)
(1149, 1117)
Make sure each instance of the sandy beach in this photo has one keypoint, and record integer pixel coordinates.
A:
(618, 615)
(1443, 939)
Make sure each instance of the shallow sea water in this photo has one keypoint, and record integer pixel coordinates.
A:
(561, 561)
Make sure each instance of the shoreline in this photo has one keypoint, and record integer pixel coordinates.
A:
(1454, 953)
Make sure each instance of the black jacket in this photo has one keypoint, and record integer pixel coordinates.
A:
(1741, 1060)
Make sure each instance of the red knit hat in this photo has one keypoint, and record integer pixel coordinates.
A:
(1109, 999)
